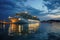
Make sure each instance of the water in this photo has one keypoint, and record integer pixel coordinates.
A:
(36, 31)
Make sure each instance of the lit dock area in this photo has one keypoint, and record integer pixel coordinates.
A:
(5, 22)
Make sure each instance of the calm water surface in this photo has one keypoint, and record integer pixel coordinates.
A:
(36, 31)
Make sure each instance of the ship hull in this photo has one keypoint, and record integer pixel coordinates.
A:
(27, 21)
(23, 21)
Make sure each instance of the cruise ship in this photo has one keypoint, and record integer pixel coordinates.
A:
(24, 17)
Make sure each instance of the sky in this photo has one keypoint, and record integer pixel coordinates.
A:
(50, 8)
(44, 9)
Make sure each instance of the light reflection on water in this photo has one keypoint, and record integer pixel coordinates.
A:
(50, 27)
(16, 29)
(55, 27)
(36, 31)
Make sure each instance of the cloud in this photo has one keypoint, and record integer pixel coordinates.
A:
(55, 11)
(11, 6)
(49, 16)
(37, 4)
(53, 7)
(8, 7)
(52, 16)
(42, 8)
(52, 4)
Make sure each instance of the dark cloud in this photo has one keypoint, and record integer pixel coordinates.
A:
(7, 7)
(10, 7)
(53, 4)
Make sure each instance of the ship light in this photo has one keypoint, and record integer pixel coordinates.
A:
(35, 16)
(9, 17)
(26, 12)
(19, 19)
